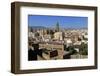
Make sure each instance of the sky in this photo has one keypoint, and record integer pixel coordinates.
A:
(64, 21)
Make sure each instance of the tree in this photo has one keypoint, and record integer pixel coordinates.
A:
(83, 49)
(71, 50)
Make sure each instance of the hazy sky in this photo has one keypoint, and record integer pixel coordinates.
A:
(64, 21)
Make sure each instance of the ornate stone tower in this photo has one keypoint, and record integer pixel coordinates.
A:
(57, 27)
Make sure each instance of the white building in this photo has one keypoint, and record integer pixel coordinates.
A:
(58, 35)
(68, 42)
(31, 35)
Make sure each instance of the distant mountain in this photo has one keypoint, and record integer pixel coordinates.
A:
(67, 28)
(75, 28)
(37, 27)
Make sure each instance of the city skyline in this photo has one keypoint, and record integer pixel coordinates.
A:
(46, 43)
(64, 21)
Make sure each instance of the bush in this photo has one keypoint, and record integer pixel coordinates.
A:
(83, 49)
(71, 50)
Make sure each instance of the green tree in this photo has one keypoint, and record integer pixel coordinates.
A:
(83, 49)
(71, 50)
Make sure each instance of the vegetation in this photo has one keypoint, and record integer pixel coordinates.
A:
(83, 49)
(71, 50)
